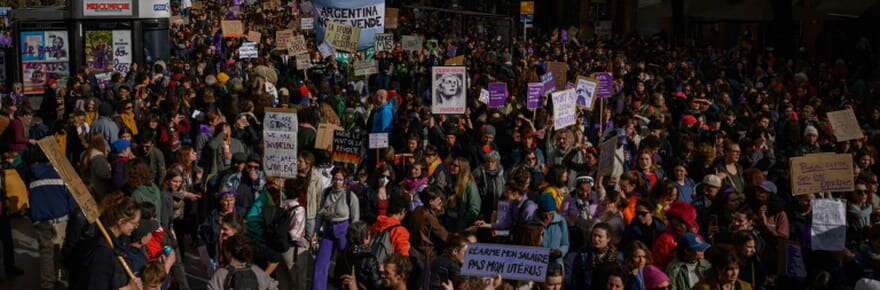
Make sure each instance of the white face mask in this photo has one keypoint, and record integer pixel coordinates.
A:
(383, 181)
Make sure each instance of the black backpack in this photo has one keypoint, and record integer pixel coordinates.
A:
(241, 279)
(276, 223)
(381, 245)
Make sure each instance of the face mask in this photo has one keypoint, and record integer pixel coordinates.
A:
(383, 181)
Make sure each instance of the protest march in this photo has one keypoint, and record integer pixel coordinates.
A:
(367, 144)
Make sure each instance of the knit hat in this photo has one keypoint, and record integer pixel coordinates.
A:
(685, 211)
(546, 203)
(811, 130)
(488, 130)
(712, 180)
(222, 78)
(654, 277)
(145, 227)
(585, 179)
(689, 120)
(492, 155)
(120, 145)
(691, 241)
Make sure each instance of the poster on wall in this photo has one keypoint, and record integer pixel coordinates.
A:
(108, 51)
(154, 9)
(366, 15)
(107, 8)
(44, 55)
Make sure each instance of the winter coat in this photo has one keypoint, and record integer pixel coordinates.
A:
(48, 196)
(399, 235)
(442, 270)
(556, 236)
(150, 193)
(468, 207)
(489, 182)
(678, 273)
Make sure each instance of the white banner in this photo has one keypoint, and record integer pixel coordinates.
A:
(248, 50)
(828, 230)
(378, 140)
(384, 42)
(367, 15)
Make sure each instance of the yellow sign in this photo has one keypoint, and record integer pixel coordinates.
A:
(526, 7)
(342, 37)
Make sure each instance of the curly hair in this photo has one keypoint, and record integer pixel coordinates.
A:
(238, 247)
(116, 207)
(138, 174)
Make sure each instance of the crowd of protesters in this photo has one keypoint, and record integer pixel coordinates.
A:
(700, 197)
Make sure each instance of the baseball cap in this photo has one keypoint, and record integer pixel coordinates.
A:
(691, 241)
(712, 180)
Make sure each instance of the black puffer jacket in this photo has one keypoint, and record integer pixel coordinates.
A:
(444, 269)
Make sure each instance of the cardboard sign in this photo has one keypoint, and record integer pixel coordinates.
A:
(307, 23)
(378, 140)
(303, 62)
(342, 37)
(254, 36)
(845, 125)
(607, 152)
(510, 261)
(449, 89)
(248, 50)
(324, 136)
(232, 28)
(391, 18)
(279, 139)
(366, 67)
(826, 172)
(68, 174)
(828, 230)
(198, 5)
(560, 72)
(348, 146)
(497, 94)
(586, 91)
(606, 84)
(384, 42)
(458, 60)
(535, 93)
(283, 38)
(411, 42)
(564, 109)
(526, 7)
(297, 46)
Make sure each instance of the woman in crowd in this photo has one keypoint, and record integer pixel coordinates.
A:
(464, 203)
(122, 216)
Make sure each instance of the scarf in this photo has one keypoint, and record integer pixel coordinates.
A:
(128, 119)
(91, 117)
(607, 255)
(414, 184)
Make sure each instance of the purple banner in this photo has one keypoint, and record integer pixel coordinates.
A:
(606, 85)
(497, 94)
(536, 92)
(569, 85)
(549, 82)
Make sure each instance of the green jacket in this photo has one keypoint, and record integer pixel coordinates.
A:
(678, 277)
(469, 207)
(149, 193)
(255, 214)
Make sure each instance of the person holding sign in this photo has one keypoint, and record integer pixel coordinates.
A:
(122, 216)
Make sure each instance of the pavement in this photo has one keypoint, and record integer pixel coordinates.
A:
(27, 255)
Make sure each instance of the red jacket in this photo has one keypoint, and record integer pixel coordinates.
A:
(399, 235)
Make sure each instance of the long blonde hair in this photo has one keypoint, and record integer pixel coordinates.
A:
(464, 178)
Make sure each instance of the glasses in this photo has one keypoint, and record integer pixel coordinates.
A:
(531, 159)
(861, 192)
(642, 213)
(129, 107)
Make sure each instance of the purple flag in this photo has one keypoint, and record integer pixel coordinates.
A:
(497, 94)
(606, 85)
(549, 82)
(536, 91)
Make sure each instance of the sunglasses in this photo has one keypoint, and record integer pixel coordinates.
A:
(642, 213)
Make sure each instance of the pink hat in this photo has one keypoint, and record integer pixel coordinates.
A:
(688, 120)
(680, 95)
(654, 277)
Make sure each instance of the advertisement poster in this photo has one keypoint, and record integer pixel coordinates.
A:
(154, 9)
(108, 50)
(107, 8)
(44, 55)
(368, 16)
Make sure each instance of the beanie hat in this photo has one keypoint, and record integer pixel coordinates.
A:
(546, 203)
(120, 145)
(811, 130)
(654, 277)
(488, 130)
(222, 77)
(685, 211)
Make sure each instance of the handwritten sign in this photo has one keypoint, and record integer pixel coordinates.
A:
(586, 91)
(845, 125)
(563, 109)
(511, 262)
(384, 42)
(342, 37)
(378, 140)
(307, 23)
(283, 38)
(606, 84)
(411, 42)
(254, 36)
(279, 140)
(248, 50)
(297, 45)
(391, 18)
(303, 62)
(535, 93)
(549, 82)
(232, 28)
(828, 230)
(74, 184)
(324, 136)
(348, 146)
(366, 67)
(607, 151)
(826, 172)
(497, 94)
(326, 49)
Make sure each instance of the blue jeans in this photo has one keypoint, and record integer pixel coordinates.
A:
(334, 240)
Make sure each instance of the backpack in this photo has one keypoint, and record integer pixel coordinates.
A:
(276, 223)
(241, 279)
(381, 246)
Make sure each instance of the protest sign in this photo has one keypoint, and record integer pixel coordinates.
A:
(303, 61)
(342, 37)
(324, 136)
(563, 109)
(484, 96)
(348, 146)
(411, 42)
(283, 38)
(828, 230)
(307, 23)
(248, 50)
(378, 140)
(827, 172)
(791, 260)
(526, 7)
(549, 82)
(845, 125)
(384, 42)
(509, 261)
(607, 150)
(297, 46)
(232, 28)
(254, 36)
(367, 17)
(432, 44)
(497, 94)
(449, 89)
(326, 49)
(606, 84)
(536, 91)
(458, 60)
(451, 51)
(279, 140)
(391, 18)
(586, 91)
(68, 174)
(366, 67)
(560, 72)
